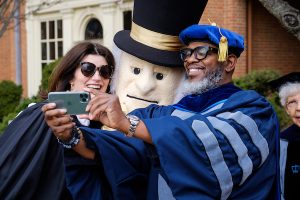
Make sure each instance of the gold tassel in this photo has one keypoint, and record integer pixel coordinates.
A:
(223, 45)
(223, 49)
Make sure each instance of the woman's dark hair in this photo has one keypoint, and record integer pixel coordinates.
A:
(64, 72)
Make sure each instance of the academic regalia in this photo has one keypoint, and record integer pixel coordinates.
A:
(121, 163)
(31, 159)
(225, 149)
(290, 161)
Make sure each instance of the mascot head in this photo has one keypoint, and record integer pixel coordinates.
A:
(150, 68)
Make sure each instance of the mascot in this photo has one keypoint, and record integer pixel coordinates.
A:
(150, 68)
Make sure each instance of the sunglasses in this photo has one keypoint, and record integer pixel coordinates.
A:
(89, 69)
(199, 52)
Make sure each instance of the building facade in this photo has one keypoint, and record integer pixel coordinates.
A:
(51, 29)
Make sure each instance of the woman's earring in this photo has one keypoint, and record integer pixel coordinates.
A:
(72, 85)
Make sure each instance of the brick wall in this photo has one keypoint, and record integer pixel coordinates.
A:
(24, 55)
(229, 14)
(214, 11)
(6, 60)
(273, 46)
(7, 55)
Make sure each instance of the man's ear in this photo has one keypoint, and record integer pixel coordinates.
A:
(230, 63)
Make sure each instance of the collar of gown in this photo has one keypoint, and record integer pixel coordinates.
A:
(292, 133)
(199, 102)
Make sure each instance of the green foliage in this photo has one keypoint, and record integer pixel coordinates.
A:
(6, 120)
(23, 105)
(25, 102)
(257, 80)
(10, 95)
(46, 72)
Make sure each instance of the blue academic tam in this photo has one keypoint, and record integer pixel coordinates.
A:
(212, 34)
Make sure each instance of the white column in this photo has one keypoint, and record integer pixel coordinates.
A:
(67, 16)
(34, 68)
(122, 6)
(108, 16)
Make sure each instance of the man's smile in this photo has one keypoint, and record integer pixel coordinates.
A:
(193, 70)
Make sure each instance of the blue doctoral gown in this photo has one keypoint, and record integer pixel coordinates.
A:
(218, 145)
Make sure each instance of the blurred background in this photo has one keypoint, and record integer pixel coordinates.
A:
(34, 34)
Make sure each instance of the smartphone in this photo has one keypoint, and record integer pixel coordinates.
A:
(74, 102)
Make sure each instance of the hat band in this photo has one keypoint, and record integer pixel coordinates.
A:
(154, 39)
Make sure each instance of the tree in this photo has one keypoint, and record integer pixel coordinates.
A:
(9, 10)
(287, 12)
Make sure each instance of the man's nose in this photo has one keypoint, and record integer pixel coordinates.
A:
(298, 105)
(191, 59)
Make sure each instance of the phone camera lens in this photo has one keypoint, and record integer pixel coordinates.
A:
(81, 95)
(85, 96)
(84, 100)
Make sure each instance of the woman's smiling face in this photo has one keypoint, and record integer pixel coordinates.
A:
(97, 82)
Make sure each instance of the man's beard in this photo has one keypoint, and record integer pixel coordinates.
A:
(210, 81)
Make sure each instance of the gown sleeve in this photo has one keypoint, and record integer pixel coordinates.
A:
(31, 160)
(120, 170)
(227, 153)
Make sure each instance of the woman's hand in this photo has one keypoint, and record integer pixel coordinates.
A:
(60, 123)
(93, 93)
(107, 109)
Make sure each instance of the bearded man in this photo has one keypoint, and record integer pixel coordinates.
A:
(217, 142)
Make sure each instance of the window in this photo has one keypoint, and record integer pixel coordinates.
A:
(127, 17)
(93, 30)
(51, 41)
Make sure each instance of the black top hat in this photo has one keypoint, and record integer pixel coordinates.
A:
(155, 28)
(293, 77)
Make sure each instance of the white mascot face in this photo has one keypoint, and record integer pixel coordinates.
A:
(140, 83)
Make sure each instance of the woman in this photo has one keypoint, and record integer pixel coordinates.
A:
(31, 160)
(289, 93)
